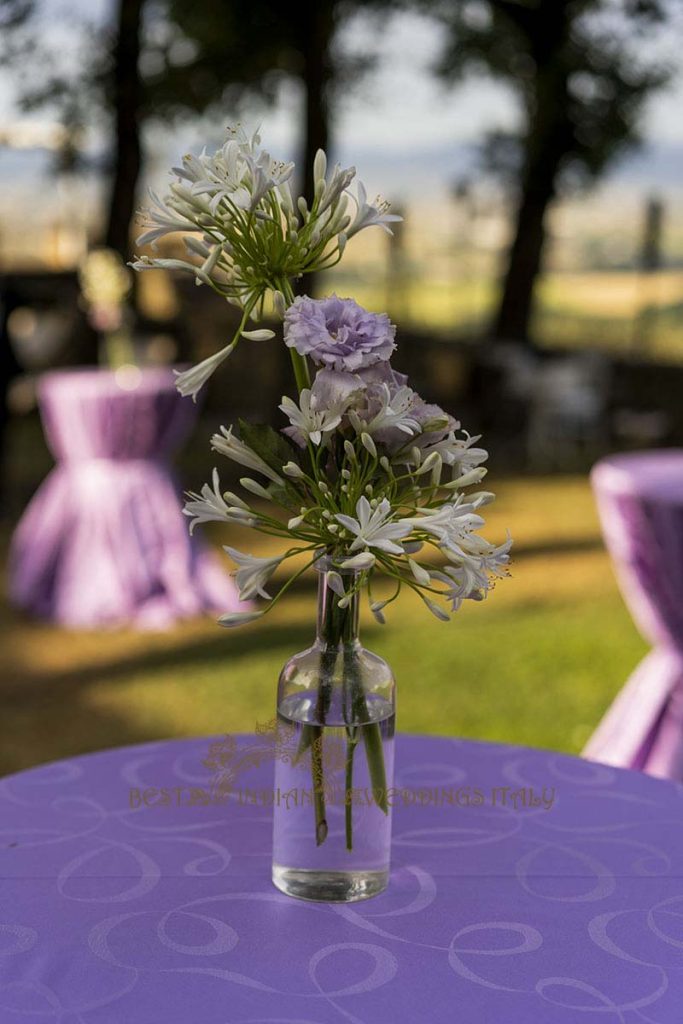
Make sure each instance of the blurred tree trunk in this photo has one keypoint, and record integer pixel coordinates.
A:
(318, 29)
(513, 317)
(127, 103)
(549, 139)
(317, 32)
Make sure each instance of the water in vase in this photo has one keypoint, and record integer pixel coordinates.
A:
(332, 817)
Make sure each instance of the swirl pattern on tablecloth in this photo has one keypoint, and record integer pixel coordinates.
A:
(554, 897)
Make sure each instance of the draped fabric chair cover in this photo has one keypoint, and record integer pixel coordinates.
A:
(640, 501)
(103, 542)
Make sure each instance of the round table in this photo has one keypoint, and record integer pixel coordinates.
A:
(556, 898)
(103, 541)
(640, 500)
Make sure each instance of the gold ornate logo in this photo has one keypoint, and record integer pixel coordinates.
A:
(320, 750)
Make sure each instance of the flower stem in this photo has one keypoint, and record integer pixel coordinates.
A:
(351, 744)
(317, 779)
(301, 374)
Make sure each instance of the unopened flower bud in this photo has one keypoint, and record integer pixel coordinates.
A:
(364, 560)
(368, 444)
(279, 305)
(255, 488)
(429, 463)
(474, 476)
(320, 166)
(420, 573)
(260, 335)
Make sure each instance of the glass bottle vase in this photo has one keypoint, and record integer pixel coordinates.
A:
(335, 721)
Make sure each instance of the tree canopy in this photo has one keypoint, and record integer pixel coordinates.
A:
(582, 74)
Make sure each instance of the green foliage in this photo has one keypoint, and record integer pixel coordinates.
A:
(275, 450)
(269, 444)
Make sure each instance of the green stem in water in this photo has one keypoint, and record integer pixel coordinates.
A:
(360, 724)
(317, 779)
(372, 739)
(351, 744)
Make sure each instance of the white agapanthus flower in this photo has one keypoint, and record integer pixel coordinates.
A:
(452, 524)
(369, 214)
(496, 560)
(246, 237)
(252, 573)
(189, 382)
(374, 527)
(210, 506)
(309, 419)
(230, 446)
(395, 412)
(162, 220)
(455, 451)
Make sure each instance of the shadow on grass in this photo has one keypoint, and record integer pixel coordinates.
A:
(40, 687)
(56, 712)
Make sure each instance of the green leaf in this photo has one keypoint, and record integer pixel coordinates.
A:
(272, 446)
(286, 496)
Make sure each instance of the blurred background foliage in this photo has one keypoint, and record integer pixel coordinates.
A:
(537, 280)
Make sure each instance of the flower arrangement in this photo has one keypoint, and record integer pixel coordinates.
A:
(364, 472)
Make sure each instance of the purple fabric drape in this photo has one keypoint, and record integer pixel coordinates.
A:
(640, 500)
(104, 542)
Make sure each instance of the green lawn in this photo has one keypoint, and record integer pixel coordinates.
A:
(537, 663)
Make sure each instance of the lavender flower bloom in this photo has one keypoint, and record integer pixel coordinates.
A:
(390, 408)
(338, 333)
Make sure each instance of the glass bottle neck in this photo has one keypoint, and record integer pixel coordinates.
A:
(338, 622)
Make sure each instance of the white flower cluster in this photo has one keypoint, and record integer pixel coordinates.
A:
(245, 235)
(372, 477)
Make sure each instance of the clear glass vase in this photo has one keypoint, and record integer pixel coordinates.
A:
(335, 758)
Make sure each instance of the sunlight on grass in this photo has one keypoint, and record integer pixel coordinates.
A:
(536, 663)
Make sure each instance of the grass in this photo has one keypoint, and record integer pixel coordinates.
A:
(537, 663)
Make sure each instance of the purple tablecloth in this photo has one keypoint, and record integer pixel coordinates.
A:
(496, 914)
(640, 500)
(104, 541)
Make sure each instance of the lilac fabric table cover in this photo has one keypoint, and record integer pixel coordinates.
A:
(640, 500)
(505, 914)
(104, 542)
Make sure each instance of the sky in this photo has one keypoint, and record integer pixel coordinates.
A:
(397, 122)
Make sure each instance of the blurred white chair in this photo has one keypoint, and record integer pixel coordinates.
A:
(567, 410)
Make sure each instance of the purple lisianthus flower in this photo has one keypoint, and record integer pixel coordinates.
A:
(338, 333)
